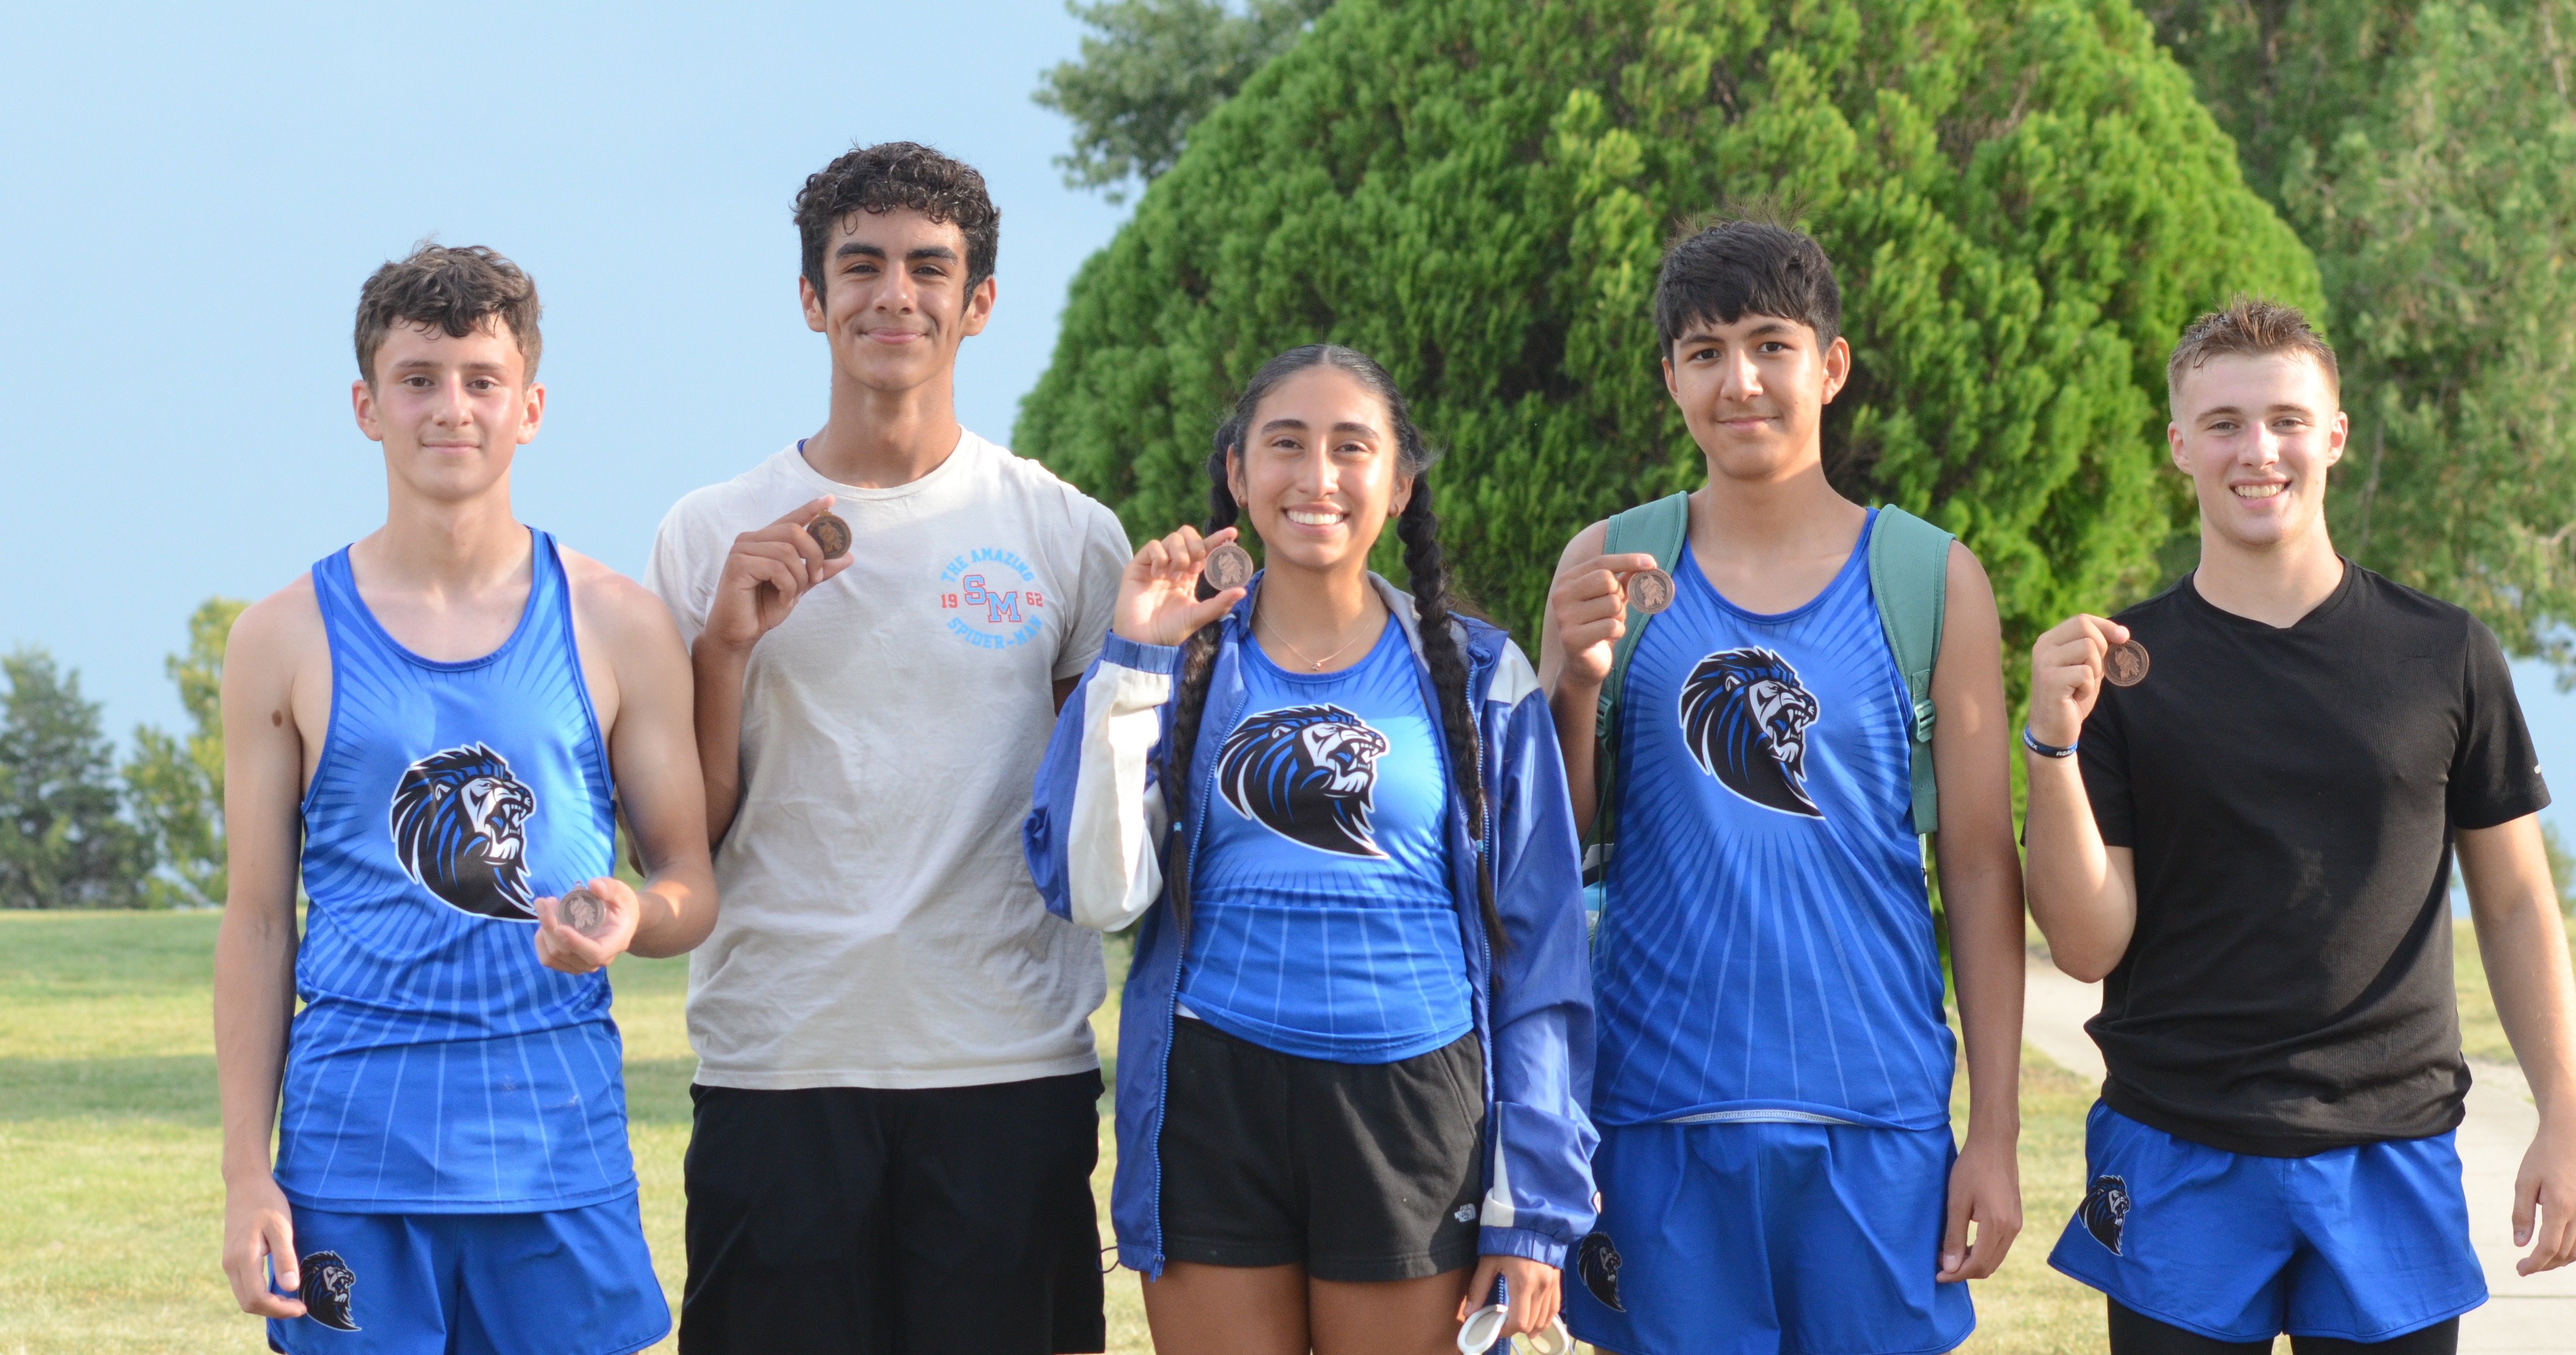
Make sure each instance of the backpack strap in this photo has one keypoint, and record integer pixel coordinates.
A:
(1909, 568)
(1657, 529)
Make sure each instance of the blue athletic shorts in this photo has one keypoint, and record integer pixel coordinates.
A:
(565, 1282)
(2361, 1244)
(1768, 1239)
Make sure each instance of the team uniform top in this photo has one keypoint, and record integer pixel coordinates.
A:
(436, 1067)
(1765, 948)
(1323, 921)
(1095, 840)
(2291, 795)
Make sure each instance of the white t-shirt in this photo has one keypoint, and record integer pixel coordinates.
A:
(877, 925)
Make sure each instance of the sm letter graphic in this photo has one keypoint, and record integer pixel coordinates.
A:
(999, 608)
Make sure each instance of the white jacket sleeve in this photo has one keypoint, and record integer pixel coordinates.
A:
(1113, 871)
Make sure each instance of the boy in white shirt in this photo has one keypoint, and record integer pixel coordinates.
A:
(895, 1101)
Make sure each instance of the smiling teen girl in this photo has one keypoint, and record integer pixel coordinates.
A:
(1358, 1030)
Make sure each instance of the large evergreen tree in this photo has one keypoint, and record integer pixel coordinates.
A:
(62, 844)
(2024, 201)
(175, 783)
(2427, 153)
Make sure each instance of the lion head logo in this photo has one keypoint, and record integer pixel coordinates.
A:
(1597, 1261)
(327, 1282)
(2106, 1211)
(1307, 773)
(1745, 717)
(460, 822)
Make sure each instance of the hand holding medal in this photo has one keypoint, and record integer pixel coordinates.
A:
(2069, 668)
(1591, 607)
(1158, 593)
(590, 925)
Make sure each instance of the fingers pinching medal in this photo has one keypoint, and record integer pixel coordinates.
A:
(2126, 664)
(584, 912)
(1228, 566)
(1650, 590)
(832, 534)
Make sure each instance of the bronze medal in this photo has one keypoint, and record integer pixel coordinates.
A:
(1650, 590)
(2126, 664)
(1228, 566)
(832, 534)
(584, 912)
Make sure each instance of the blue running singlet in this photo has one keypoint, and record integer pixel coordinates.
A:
(436, 1067)
(1766, 949)
(1322, 923)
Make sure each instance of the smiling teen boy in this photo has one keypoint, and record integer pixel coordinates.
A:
(441, 719)
(2253, 846)
(896, 1094)
(1773, 1087)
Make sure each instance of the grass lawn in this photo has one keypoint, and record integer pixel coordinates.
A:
(111, 1206)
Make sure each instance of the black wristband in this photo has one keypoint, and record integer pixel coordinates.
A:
(2031, 742)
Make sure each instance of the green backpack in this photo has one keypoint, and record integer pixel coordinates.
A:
(1909, 562)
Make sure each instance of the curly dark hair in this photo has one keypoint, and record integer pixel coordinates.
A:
(1434, 604)
(453, 289)
(892, 174)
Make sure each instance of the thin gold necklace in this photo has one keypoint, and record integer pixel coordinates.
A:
(1316, 665)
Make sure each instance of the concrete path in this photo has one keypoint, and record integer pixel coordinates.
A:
(2535, 1314)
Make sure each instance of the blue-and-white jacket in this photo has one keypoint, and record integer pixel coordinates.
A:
(1094, 845)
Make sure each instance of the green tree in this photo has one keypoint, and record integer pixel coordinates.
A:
(62, 844)
(175, 783)
(2427, 153)
(1155, 68)
(2024, 201)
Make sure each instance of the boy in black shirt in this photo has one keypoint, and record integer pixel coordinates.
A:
(2253, 846)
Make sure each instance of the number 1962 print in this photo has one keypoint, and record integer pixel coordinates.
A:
(991, 599)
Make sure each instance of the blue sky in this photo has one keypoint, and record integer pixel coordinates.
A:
(196, 194)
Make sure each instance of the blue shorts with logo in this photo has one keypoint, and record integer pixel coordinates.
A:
(1768, 1239)
(564, 1282)
(2362, 1244)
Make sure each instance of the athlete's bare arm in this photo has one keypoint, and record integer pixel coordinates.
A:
(2524, 943)
(765, 574)
(1587, 612)
(1980, 874)
(638, 674)
(2083, 894)
(277, 705)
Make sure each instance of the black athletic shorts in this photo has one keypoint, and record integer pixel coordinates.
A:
(856, 1221)
(1358, 1171)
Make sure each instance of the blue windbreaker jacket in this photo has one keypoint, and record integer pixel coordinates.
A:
(1094, 845)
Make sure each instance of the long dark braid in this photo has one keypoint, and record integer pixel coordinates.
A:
(1198, 663)
(1427, 572)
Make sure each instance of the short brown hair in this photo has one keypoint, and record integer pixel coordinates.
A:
(892, 174)
(456, 290)
(2249, 326)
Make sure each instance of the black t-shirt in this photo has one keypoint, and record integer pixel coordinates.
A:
(2291, 796)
